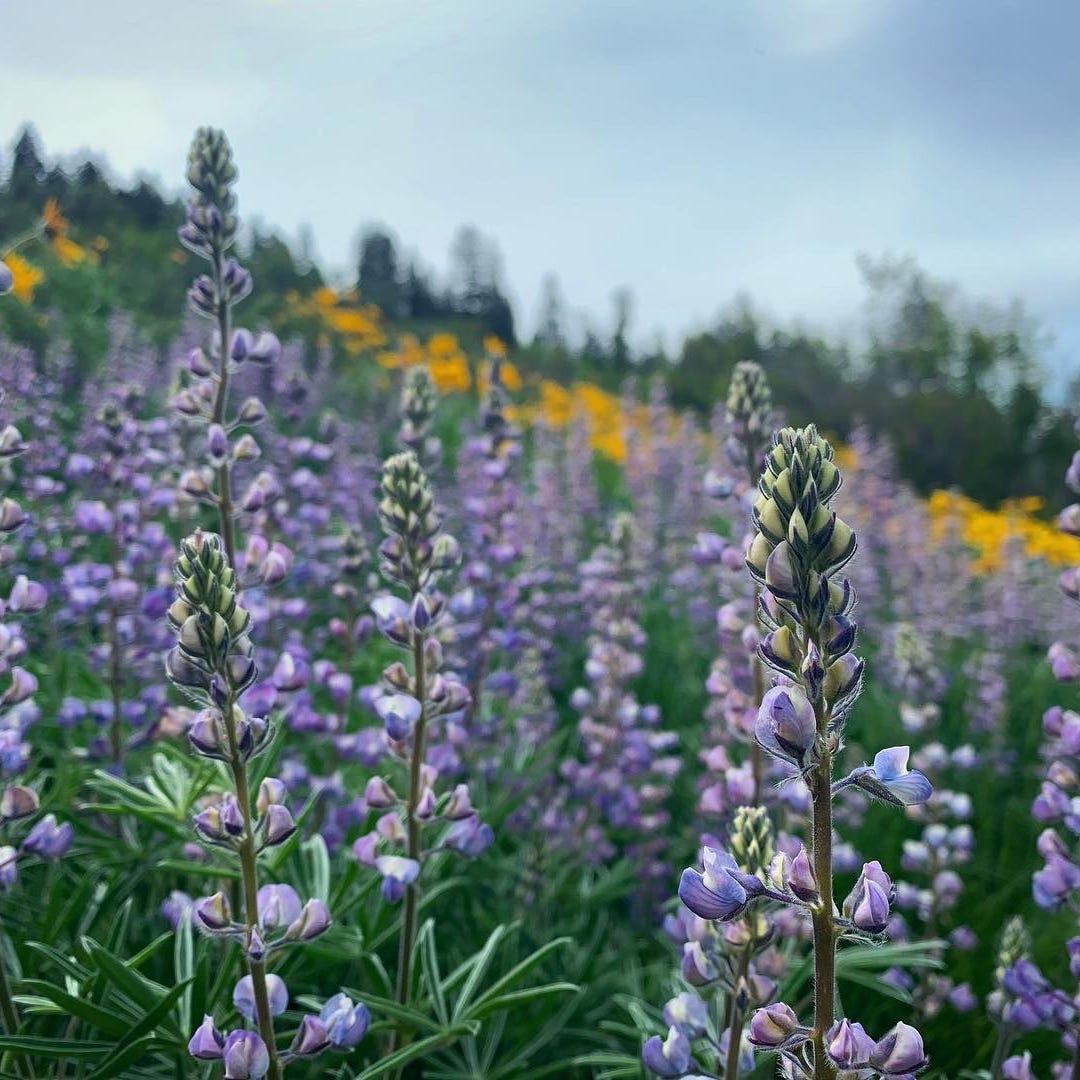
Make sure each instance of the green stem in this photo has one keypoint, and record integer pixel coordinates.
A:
(735, 1024)
(224, 494)
(822, 916)
(825, 932)
(1001, 1050)
(408, 926)
(250, 878)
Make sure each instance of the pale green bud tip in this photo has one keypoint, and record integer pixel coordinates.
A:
(752, 842)
(749, 397)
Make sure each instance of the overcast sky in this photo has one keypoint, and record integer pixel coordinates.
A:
(688, 150)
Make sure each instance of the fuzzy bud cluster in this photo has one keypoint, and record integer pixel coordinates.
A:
(749, 400)
(212, 661)
(419, 400)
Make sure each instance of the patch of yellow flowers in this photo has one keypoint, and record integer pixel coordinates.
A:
(992, 532)
(357, 325)
(53, 227)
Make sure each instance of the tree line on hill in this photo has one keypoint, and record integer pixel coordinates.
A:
(958, 391)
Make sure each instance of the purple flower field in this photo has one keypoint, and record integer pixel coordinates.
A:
(357, 727)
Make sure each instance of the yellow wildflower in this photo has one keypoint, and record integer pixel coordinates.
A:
(26, 277)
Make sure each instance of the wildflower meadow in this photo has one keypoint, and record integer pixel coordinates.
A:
(377, 704)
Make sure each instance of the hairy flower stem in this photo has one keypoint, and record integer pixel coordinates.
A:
(820, 782)
(250, 876)
(735, 1024)
(824, 927)
(224, 495)
(408, 926)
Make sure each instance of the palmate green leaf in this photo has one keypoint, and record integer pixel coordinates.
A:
(135, 987)
(134, 1037)
(524, 967)
(66, 964)
(857, 964)
(39, 1046)
(184, 964)
(477, 970)
(877, 984)
(57, 1000)
(203, 870)
(413, 1052)
(317, 863)
(116, 1065)
(429, 964)
(612, 1066)
(515, 998)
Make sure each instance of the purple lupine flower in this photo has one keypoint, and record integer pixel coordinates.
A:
(867, 905)
(900, 1052)
(400, 713)
(311, 1038)
(689, 1013)
(175, 906)
(314, 919)
(848, 1045)
(469, 836)
(1018, 1067)
(907, 787)
(207, 1044)
(773, 1026)
(345, 1023)
(244, 996)
(48, 839)
(279, 905)
(245, 1056)
(397, 873)
(714, 893)
(786, 726)
(668, 1057)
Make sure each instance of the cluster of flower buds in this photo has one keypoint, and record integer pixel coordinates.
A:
(723, 891)
(415, 554)
(796, 554)
(353, 584)
(737, 961)
(488, 610)
(209, 232)
(749, 415)
(47, 838)
(414, 699)
(629, 760)
(419, 400)
(847, 1046)
(213, 664)
(339, 1025)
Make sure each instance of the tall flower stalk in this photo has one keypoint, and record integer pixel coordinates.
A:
(414, 555)
(213, 659)
(749, 413)
(210, 231)
(797, 552)
(213, 664)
